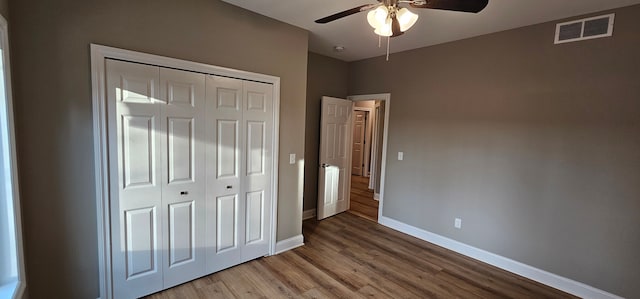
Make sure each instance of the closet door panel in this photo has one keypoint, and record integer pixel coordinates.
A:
(181, 148)
(227, 148)
(140, 248)
(138, 150)
(255, 217)
(256, 149)
(224, 224)
(182, 229)
(183, 178)
(256, 174)
(134, 135)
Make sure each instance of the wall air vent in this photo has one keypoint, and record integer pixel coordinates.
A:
(595, 27)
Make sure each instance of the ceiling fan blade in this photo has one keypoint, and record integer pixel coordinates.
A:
(474, 6)
(345, 13)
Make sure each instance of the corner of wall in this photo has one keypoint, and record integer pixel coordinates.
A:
(289, 244)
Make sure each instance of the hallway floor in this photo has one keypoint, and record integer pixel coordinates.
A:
(362, 202)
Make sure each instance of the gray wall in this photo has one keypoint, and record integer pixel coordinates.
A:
(535, 146)
(326, 76)
(50, 43)
(4, 8)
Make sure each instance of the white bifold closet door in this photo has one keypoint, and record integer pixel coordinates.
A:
(158, 217)
(192, 190)
(183, 177)
(136, 206)
(239, 163)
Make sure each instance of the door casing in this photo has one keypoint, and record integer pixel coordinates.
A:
(386, 97)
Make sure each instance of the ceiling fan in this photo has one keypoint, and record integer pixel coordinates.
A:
(391, 20)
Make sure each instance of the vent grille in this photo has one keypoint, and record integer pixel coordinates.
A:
(589, 28)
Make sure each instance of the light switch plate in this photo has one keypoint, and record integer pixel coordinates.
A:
(292, 158)
(400, 156)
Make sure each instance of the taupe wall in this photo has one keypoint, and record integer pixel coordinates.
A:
(535, 146)
(4, 8)
(326, 76)
(50, 43)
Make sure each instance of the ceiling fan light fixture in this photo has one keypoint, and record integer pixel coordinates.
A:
(378, 17)
(395, 27)
(406, 19)
(385, 29)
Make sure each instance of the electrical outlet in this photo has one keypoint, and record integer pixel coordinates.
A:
(292, 158)
(457, 223)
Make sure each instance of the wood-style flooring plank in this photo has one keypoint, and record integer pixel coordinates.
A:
(362, 203)
(216, 290)
(238, 284)
(346, 256)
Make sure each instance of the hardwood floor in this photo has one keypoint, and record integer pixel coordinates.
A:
(349, 257)
(362, 202)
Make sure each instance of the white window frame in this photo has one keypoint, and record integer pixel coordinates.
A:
(14, 288)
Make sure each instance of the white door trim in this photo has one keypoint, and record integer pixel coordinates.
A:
(99, 54)
(386, 97)
(375, 131)
(18, 287)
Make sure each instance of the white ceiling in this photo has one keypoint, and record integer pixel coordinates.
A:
(433, 26)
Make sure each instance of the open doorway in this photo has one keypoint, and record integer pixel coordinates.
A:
(335, 155)
(366, 156)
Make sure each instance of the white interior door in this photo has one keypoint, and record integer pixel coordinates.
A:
(135, 133)
(335, 168)
(358, 148)
(183, 175)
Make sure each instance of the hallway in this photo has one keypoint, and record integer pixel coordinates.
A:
(362, 202)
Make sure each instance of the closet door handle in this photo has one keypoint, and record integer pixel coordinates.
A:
(229, 187)
(184, 192)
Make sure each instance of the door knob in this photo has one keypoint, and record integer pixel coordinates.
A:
(229, 187)
(324, 165)
(184, 192)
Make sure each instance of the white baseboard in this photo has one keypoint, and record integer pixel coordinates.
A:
(288, 244)
(308, 214)
(376, 196)
(562, 283)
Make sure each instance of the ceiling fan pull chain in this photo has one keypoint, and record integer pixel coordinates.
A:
(379, 41)
(388, 41)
